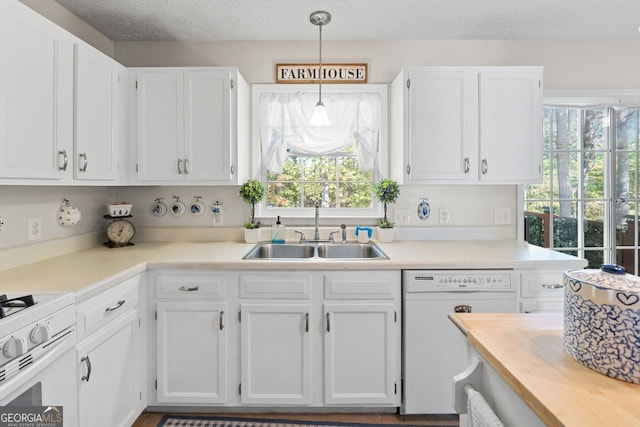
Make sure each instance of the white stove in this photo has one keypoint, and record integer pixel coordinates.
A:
(37, 338)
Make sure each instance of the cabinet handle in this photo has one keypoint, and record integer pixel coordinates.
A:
(306, 322)
(221, 320)
(65, 160)
(186, 289)
(552, 286)
(186, 166)
(88, 362)
(232, 169)
(328, 323)
(462, 308)
(408, 169)
(84, 161)
(467, 165)
(485, 167)
(179, 166)
(115, 307)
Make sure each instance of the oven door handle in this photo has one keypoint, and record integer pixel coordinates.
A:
(88, 362)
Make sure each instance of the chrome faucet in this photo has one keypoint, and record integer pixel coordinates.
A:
(344, 232)
(316, 233)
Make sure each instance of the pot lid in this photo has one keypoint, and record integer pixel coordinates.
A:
(608, 277)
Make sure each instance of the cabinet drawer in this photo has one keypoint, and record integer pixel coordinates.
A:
(546, 285)
(362, 285)
(541, 306)
(107, 306)
(191, 286)
(275, 286)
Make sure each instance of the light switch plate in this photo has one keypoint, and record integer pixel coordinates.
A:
(34, 229)
(502, 216)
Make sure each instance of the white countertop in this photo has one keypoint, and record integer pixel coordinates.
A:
(90, 271)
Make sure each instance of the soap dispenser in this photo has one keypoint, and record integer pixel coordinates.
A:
(277, 232)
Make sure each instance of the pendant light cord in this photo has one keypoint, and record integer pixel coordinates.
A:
(320, 66)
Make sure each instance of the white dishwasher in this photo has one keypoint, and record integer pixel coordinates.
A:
(433, 349)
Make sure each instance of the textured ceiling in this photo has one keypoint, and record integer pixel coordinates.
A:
(210, 20)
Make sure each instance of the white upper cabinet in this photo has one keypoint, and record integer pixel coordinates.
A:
(466, 125)
(192, 125)
(36, 95)
(97, 112)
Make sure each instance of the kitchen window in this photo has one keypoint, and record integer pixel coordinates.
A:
(588, 202)
(334, 165)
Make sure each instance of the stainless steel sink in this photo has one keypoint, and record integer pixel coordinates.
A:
(276, 250)
(317, 251)
(351, 251)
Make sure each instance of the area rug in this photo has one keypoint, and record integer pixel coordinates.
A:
(213, 421)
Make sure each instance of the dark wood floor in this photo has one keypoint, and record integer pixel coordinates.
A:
(151, 419)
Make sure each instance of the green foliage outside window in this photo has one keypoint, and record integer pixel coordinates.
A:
(334, 180)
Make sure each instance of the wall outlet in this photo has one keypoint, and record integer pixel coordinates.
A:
(444, 215)
(34, 229)
(401, 216)
(502, 216)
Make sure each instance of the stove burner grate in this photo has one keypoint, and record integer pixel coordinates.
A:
(10, 306)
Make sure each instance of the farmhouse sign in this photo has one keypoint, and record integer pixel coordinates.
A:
(331, 73)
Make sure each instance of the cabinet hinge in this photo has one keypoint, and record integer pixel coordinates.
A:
(240, 389)
(540, 83)
(139, 323)
(240, 316)
(408, 83)
(156, 384)
(140, 395)
(136, 167)
(395, 316)
(395, 388)
(231, 83)
(136, 84)
(156, 314)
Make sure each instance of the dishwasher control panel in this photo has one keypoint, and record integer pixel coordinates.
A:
(426, 280)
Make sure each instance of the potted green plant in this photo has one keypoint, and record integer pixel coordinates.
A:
(386, 191)
(252, 192)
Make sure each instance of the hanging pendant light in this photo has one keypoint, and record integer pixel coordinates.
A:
(319, 116)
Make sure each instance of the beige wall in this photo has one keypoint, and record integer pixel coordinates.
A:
(567, 64)
(70, 22)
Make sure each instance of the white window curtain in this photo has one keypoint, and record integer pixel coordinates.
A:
(284, 126)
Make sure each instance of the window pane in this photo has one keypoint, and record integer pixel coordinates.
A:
(565, 175)
(594, 226)
(627, 258)
(594, 175)
(283, 194)
(595, 258)
(626, 174)
(354, 195)
(323, 192)
(561, 130)
(595, 129)
(627, 129)
(349, 170)
(536, 223)
(565, 225)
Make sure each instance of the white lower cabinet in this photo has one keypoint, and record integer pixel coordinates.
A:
(277, 338)
(275, 355)
(192, 352)
(541, 292)
(359, 359)
(109, 388)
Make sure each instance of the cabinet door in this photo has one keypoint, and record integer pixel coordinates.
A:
(96, 115)
(207, 125)
(442, 125)
(359, 353)
(192, 352)
(511, 126)
(275, 354)
(160, 131)
(108, 389)
(36, 101)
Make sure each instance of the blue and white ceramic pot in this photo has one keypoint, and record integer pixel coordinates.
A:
(602, 322)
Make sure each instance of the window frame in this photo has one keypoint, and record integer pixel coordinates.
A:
(590, 99)
(381, 165)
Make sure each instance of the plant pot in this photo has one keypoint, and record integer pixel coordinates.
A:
(385, 235)
(251, 235)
